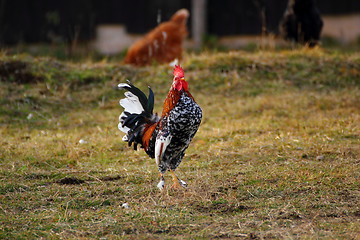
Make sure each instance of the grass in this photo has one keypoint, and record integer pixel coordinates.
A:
(276, 157)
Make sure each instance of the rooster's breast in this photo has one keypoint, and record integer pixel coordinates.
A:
(181, 124)
(184, 119)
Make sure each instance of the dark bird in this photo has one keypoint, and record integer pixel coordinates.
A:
(302, 22)
(164, 138)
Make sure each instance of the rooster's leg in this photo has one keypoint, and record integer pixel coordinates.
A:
(178, 183)
(161, 184)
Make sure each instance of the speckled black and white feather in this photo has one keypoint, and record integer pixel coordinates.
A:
(180, 125)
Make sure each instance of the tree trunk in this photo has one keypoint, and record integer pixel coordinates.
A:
(198, 21)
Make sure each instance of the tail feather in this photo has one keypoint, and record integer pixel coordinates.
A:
(122, 119)
(131, 105)
(132, 119)
(150, 103)
(137, 115)
(137, 95)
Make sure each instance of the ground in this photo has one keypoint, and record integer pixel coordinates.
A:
(276, 157)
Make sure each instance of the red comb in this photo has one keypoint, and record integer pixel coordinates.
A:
(178, 71)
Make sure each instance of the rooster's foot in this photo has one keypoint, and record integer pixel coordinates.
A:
(178, 183)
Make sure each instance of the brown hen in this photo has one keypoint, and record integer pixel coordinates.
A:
(163, 44)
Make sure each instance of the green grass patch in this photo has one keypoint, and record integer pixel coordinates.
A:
(277, 154)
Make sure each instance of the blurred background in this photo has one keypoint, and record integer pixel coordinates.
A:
(96, 28)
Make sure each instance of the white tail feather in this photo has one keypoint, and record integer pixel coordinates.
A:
(131, 103)
(122, 85)
(131, 106)
(122, 128)
(125, 138)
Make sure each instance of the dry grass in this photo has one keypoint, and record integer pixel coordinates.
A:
(276, 157)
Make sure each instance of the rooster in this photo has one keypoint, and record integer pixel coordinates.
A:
(163, 44)
(164, 138)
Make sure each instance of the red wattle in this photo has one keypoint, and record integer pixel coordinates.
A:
(181, 84)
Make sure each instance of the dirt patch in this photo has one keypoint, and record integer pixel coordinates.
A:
(70, 181)
(289, 215)
(357, 213)
(16, 71)
(222, 208)
(111, 178)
